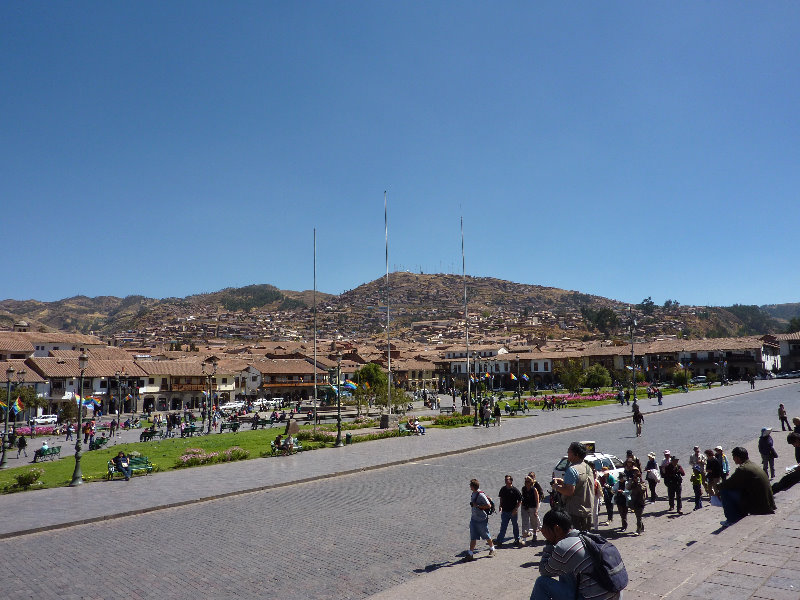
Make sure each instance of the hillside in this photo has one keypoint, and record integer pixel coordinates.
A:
(426, 308)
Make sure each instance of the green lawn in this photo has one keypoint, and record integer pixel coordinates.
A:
(164, 454)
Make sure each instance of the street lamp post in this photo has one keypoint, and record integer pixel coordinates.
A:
(77, 475)
(9, 375)
(339, 443)
(477, 383)
(519, 388)
(210, 393)
(633, 354)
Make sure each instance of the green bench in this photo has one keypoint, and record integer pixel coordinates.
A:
(446, 410)
(255, 424)
(50, 453)
(98, 443)
(140, 464)
(231, 425)
(403, 428)
(190, 430)
(148, 435)
(296, 447)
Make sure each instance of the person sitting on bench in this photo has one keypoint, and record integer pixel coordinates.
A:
(123, 464)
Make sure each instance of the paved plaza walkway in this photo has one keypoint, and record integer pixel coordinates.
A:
(686, 557)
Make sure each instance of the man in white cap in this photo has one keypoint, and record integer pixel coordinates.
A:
(767, 452)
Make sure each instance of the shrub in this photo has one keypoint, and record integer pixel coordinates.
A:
(27, 478)
(454, 420)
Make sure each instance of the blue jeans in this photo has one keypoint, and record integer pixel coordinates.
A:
(732, 505)
(505, 517)
(548, 588)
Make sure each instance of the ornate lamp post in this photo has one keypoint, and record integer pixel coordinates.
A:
(77, 475)
(9, 375)
(210, 392)
(339, 443)
(477, 383)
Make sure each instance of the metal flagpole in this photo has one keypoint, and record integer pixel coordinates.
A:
(466, 318)
(388, 341)
(315, 330)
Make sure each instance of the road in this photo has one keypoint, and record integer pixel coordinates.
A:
(342, 537)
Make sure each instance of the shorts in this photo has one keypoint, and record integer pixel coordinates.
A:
(479, 530)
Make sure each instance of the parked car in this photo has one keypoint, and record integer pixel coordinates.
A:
(593, 458)
(45, 420)
(700, 379)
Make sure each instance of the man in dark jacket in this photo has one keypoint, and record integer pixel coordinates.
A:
(746, 491)
(673, 479)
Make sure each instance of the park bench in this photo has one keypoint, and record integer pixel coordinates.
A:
(190, 430)
(98, 443)
(404, 429)
(50, 453)
(148, 435)
(231, 425)
(255, 424)
(446, 410)
(140, 464)
(296, 447)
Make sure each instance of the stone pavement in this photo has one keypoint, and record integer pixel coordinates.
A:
(689, 557)
(63, 507)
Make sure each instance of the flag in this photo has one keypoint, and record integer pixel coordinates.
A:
(680, 366)
(487, 376)
(366, 385)
(350, 385)
(525, 377)
(17, 406)
(630, 368)
(513, 377)
(3, 404)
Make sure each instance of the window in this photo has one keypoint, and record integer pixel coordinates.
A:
(103, 383)
(224, 380)
(54, 348)
(545, 367)
(151, 381)
(536, 366)
(254, 378)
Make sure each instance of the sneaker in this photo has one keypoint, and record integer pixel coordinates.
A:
(518, 543)
(725, 523)
(491, 552)
(469, 556)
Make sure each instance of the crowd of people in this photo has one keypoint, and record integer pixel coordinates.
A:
(577, 500)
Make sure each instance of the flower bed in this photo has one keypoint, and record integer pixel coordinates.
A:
(575, 398)
(193, 457)
(40, 429)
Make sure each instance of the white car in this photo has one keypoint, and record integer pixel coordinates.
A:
(593, 458)
(45, 420)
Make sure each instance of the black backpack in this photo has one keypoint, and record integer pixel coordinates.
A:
(608, 570)
(490, 510)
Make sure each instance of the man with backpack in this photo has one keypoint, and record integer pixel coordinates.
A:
(587, 566)
(481, 507)
(577, 487)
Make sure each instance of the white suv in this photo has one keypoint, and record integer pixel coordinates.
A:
(45, 420)
(593, 458)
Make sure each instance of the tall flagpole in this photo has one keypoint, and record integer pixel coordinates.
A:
(315, 330)
(466, 318)
(388, 341)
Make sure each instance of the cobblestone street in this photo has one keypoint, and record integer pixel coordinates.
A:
(348, 536)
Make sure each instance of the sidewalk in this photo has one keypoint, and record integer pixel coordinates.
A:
(678, 557)
(63, 507)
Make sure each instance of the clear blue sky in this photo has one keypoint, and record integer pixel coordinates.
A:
(621, 149)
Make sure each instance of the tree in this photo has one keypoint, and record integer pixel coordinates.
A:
(571, 374)
(794, 325)
(597, 376)
(681, 377)
(647, 306)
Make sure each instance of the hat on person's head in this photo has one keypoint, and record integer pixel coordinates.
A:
(718, 448)
(675, 458)
(765, 431)
(697, 447)
(698, 468)
(666, 452)
(651, 455)
(629, 453)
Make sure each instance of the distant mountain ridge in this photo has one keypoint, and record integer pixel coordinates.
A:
(503, 308)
